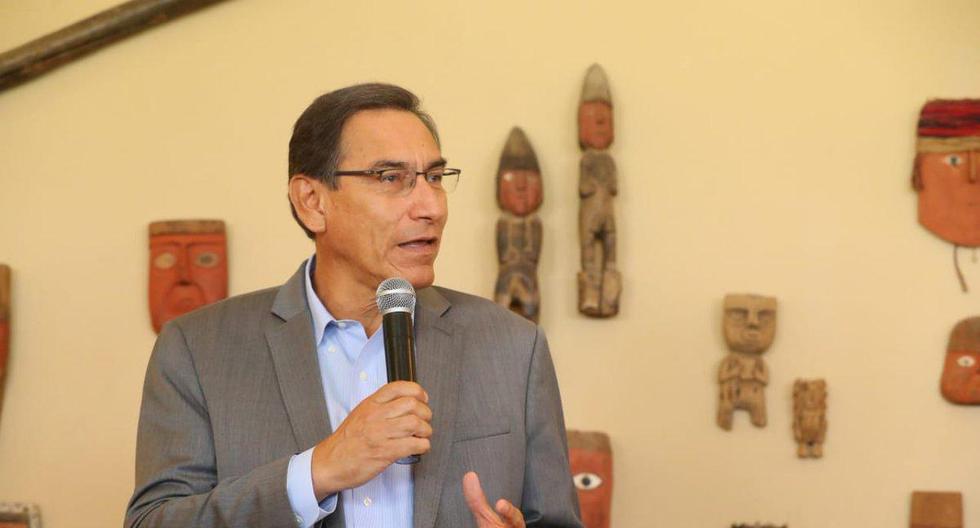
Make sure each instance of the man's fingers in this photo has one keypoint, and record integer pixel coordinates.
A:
(409, 426)
(407, 406)
(477, 501)
(400, 389)
(512, 515)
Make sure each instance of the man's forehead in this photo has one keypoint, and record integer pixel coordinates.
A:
(386, 134)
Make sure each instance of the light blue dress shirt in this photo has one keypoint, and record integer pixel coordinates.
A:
(352, 367)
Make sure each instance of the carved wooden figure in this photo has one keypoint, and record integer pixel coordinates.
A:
(934, 509)
(809, 417)
(749, 325)
(599, 282)
(4, 327)
(519, 194)
(188, 267)
(946, 173)
(19, 515)
(961, 371)
(590, 457)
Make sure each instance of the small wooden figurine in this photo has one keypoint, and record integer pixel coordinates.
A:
(590, 457)
(599, 282)
(946, 173)
(519, 194)
(961, 372)
(19, 515)
(933, 509)
(4, 327)
(809, 417)
(749, 325)
(188, 267)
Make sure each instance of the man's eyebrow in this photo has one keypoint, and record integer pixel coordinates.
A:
(437, 163)
(394, 164)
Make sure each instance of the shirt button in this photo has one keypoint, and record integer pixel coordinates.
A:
(363, 377)
(342, 324)
(331, 349)
(299, 520)
(367, 501)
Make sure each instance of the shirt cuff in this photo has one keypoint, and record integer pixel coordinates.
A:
(299, 489)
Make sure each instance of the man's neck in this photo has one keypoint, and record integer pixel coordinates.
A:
(346, 299)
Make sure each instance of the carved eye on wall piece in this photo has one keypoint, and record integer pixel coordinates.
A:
(953, 160)
(206, 260)
(165, 260)
(587, 481)
(738, 315)
(966, 361)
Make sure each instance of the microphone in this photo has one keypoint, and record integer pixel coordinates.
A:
(396, 302)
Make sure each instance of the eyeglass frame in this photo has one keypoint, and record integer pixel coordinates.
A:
(377, 173)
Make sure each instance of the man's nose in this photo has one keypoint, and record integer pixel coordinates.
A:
(428, 203)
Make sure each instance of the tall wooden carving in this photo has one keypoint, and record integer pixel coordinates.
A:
(599, 282)
(809, 417)
(4, 327)
(961, 371)
(946, 173)
(188, 267)
(590, 457)
(519, 194)
(749, 325)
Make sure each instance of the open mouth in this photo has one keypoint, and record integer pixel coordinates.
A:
(419, 243)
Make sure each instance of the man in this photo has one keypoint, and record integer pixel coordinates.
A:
(272, 408)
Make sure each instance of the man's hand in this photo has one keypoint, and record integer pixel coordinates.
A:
(390, 424)
(506, 516)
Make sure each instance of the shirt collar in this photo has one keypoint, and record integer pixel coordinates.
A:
(321, 316)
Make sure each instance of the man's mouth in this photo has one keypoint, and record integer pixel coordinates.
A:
(419, 243)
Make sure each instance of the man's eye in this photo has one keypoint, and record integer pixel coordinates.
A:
(434, 177)
(391, 176)
(953, 160)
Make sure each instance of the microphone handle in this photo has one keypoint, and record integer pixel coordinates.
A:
(400, 355)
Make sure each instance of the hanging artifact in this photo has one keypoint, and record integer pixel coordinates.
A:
(188, 267)
(809, 417)
(759, 525)
(945, 173)
(519, 194)
(4, 327)
(590, 457)
(19, 515)
(599, 283)
(960, 382)
(934, 509)
(749, 325)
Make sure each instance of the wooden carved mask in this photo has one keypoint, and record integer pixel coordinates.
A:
(749, 322)
(961, 371)
(519, 187)
(595, 116)
(590, 457)
(188, 267)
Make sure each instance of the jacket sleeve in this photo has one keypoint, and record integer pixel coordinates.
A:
(176, 474)
(550, 499)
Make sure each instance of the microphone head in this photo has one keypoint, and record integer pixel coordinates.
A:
(395, 295)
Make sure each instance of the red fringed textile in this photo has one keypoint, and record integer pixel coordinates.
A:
(950, 118)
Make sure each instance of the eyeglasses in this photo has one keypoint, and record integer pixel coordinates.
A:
(401, 181)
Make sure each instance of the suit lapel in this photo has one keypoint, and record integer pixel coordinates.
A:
(437, 347)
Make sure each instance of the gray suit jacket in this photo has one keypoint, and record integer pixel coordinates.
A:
(233, 390)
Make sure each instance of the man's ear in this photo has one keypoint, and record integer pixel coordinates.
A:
(306, 195)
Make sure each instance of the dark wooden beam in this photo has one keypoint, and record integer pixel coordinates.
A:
(85, 36)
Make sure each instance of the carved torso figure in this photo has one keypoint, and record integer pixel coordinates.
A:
(809, 417)
(188, 267)
(961, 371)
(519, 194)
(590, 457)
(599, 282)
(749, 325)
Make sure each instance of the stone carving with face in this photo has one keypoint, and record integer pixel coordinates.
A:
(590, 457)
(809, 417)
(946, 172)
(4, 326)
(188, 267)
(936, 509)
(749, 325)
(961, 372)
(599, 283)
(519, 194)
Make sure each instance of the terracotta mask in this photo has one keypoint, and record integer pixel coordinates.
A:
(947, 169)
(961, 372)
(188, 267)
(519, 188)
(591, 460)
(595, 116)
(749, 323)
(4, 326)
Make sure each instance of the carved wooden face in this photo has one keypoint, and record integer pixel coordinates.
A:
(949, 197)
(749, 322)
(961, 372)
(520, 191)
(592, 474)
(187, 271)
(595, 125)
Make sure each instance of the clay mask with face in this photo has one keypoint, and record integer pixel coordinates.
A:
(519, 188)
(749, 322)
(961, 371)
(590, 458)
(595, 116)
(188, 267)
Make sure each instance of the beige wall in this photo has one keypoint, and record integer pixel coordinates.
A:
(764, 146)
